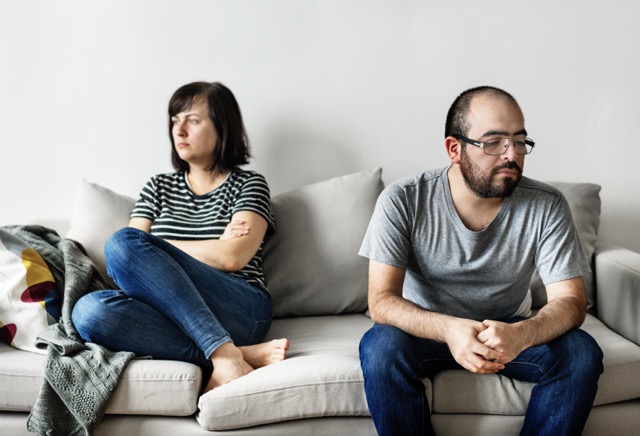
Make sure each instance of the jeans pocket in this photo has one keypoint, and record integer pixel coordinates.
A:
(258, 332)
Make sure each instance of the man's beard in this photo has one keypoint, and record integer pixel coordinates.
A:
(481, 184)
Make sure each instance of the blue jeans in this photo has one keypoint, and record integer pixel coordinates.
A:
(393, 362)
(170, 306)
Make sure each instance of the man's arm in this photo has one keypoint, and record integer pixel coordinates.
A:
(387, 306)
(566, 309)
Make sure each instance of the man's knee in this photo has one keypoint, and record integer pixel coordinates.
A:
(584, 353)
(381, 346)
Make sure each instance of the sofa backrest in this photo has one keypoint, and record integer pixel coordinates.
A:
(311, 262)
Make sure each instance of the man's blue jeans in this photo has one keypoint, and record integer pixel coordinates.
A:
(170, 306)
(566, 371)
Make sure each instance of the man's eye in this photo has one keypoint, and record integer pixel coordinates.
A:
(495, 143)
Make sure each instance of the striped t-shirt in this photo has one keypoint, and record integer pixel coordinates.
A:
(177, 213)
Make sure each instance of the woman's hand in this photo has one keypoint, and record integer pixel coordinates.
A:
(235, 229)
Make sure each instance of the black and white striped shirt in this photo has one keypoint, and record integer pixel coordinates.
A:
(177, 213)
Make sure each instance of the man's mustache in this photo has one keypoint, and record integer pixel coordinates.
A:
(511, 165)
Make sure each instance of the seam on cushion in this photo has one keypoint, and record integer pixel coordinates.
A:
(155, 412)
(253, 394)
(178, 380)
(626, 266)
(21, 376)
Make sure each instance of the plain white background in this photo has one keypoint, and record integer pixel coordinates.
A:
(327, 87)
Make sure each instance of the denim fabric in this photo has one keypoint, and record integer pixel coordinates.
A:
(170, 306)
(393, 362)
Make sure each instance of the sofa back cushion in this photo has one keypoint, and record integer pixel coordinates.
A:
(311, 262)
(584, 202)
(98, 212)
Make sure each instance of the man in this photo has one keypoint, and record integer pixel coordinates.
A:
(452, 252)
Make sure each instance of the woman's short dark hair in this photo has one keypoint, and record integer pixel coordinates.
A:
(457, 123)
(232, 148)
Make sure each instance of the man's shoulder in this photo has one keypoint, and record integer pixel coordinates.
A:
(534, 188)
(419, 181)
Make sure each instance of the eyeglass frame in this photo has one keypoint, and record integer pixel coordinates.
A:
(527, 141)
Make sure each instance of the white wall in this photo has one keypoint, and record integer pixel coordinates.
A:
(326, 87)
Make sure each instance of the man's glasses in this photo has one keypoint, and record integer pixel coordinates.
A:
(498, 146)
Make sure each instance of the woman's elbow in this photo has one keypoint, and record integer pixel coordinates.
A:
(233, 264)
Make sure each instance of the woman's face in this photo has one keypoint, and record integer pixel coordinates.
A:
(194, 135)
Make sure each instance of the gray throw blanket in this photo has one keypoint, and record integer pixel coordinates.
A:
(79, 378)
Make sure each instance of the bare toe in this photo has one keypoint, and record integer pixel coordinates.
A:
(266, 353)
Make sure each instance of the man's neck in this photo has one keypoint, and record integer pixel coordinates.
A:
(475, 212)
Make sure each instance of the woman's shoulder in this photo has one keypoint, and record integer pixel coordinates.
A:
(247, 176)
(173, 178)
(164, 182)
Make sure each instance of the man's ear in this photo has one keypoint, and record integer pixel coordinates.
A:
(454, 149)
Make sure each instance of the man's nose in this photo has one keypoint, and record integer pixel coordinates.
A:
(510, 151)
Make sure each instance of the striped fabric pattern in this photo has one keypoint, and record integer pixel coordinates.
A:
(177, 213)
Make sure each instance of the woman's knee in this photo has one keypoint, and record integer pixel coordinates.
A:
(90, 313)
(119, 245)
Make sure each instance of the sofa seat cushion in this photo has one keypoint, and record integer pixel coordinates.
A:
(320, 377)
(147, 387)
(460, 391)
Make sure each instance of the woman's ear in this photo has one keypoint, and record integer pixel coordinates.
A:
(454, 149)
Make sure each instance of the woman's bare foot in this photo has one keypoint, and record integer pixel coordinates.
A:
(266, 353)
(228, 365)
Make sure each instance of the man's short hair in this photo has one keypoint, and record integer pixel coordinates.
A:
(457, 123)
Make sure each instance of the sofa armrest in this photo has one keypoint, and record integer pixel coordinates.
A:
(617, 274)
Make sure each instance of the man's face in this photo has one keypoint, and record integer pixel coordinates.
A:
(492, 176)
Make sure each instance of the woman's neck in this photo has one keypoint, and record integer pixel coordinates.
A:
(203, 181)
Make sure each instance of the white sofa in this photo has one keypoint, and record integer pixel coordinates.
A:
(319, 284)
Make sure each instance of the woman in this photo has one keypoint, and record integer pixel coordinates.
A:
(189, 265)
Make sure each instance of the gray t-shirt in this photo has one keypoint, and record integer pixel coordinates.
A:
(476, 275)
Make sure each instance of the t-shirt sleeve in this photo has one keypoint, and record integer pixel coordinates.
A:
(255, 197)
(148, 205)
(560, 255)
(388, 236)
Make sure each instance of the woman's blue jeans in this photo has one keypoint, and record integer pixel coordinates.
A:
(170, 306)
(393, 362)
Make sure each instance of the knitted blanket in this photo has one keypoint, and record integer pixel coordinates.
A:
(79, 377)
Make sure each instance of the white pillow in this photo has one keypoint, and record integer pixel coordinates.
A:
(98, 213)
(29, 299)
(311, 262)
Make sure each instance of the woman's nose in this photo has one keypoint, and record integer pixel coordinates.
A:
(178, 129)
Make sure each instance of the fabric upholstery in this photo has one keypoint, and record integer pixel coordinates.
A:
(320, 377)
(97, 213)
(618, 281)
(147, 387)
(311, 262)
